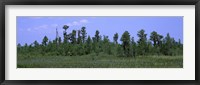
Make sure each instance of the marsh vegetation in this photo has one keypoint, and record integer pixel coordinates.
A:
(79, 50)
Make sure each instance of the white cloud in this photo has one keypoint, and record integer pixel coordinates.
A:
(41, 27)
(69, 24)
(76, 23)
(84, 21)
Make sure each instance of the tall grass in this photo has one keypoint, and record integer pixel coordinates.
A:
(100, 61)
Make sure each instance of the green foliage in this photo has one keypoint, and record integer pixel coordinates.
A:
(36, 44)
(142, 42)
(65, 27)
(45, 40)
(115, 38)
(126, 43)
(73, 37)
(19, 45)
(133, 47)
(79, 40)
(78, 43)
(83, 33)
(88, 45)
(59, 40)
(97, 37)
(154, 38)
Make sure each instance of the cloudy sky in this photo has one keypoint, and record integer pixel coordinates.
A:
(31, 28)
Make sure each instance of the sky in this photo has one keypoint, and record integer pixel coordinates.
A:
(31, 28)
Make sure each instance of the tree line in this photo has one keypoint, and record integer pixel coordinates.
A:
(78, 43)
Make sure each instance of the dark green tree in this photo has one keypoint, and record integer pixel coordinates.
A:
(73, 37)
(115, 38)
(36, 44)
(126, 43)
(89, 46)
(97, 36)
(19, 45)
(45, 40)
(142, 42)
(154, 38)
(160, 37)
(59, 40)
(133, 47)
(84, 34)
(168, 42)
(26, 45)
(65, 27)
(106, 45)
(79, 41)
(96, 43)
(157, 41)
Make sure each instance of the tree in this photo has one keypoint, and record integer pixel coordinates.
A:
(150, 50)
(65, 27)
(179, 43)
(168, 42)
(142, 42)
(73, 37)
(36, 43)
(26, 45)
(79, 37)
(88, 42)
(83, 44)
(96, 42)
(133, 47)
(97, 37)
(142, 36)
(106, 45)
(157, 41)
(126, 43)
(160, 40)
(83, 33)
(154, 38)
(59, 40)
(44, 41)
(19, 45)
(115, 38)
(69, 37)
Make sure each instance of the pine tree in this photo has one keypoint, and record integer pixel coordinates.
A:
(142, 42)
(45, 40)
(89, 47)
(126, 43)
(65, 27)
(73, 37)
(115, 38)
(84, 34)
(36, 44)
(79, 40)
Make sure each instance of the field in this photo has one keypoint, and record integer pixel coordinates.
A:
(100, 61)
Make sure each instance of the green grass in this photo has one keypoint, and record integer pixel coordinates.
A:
(101, 61)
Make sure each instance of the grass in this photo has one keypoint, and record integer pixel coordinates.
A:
(101, 61)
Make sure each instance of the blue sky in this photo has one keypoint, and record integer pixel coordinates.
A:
(31, 28)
